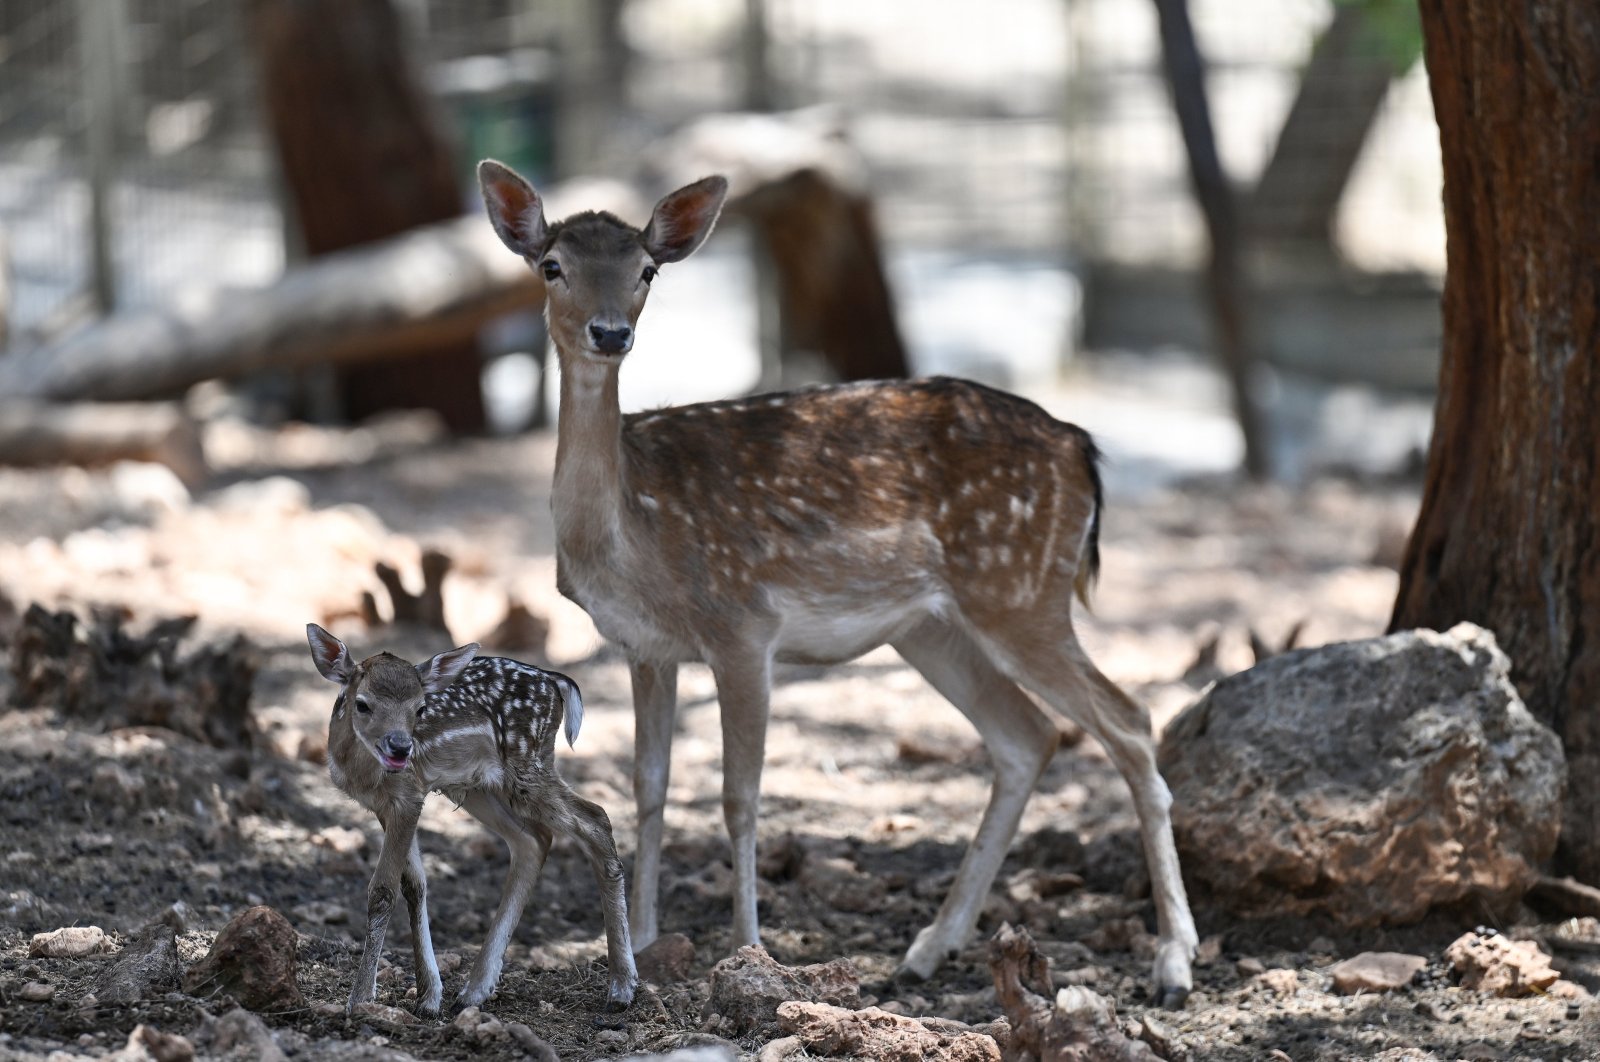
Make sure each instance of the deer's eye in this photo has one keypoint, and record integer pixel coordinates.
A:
(649, 273)
(363, 706)
(551, 268)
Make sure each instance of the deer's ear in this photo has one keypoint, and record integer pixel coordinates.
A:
(515, 209)
(683, 220)
(442, 670)
(329, 654)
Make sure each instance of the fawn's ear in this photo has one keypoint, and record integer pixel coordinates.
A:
(514, 207)
(442, 670)
(330, 655)
(683, 220)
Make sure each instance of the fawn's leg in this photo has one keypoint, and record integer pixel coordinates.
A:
(1020, 739)
(744, 687)
(414, 885)
(1065, 677)
(586, 822)
(399, 833)
(528, 851)
(655, 695)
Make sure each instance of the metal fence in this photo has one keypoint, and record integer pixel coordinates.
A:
(1031, 127)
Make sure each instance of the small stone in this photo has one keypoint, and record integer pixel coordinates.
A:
(321, 912)
(386, 1015)
(1501, 966)
(667, 960)
(37, 992)
(1322, 946)
(468, 1019)
(1280, 982)
(1078, 975)
(340, 839)
(1249, 967)
(71, 942)
(611, 1036)
(747, 987)
(1209, 951)
(237, 1033)
(1375, 971)
(531, 1045)
(1569, 990)
(147, 1043)
(253, 958)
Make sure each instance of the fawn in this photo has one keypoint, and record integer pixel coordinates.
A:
(481, 730)
(950, 520)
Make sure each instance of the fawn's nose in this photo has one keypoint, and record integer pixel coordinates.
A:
(397, 744)
(609, 339)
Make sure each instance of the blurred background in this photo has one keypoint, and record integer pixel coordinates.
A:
(1006, 195)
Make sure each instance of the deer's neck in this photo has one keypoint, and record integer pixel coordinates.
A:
(589, 477)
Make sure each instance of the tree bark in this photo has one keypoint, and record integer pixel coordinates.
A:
(425, 289)
(363, 160)
(1509, 531)
(1226, 282)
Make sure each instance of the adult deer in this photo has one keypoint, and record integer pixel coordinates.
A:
(949, 520)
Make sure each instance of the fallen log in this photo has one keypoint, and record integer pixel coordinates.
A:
(431, 285)
(99, 433)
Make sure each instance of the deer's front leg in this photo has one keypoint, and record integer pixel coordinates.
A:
(655, 694)
(743, 689)
(430, 988)
(399, 830)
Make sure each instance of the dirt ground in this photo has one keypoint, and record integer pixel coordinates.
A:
(865, 764)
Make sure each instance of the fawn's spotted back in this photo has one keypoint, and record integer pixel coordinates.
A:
(516, 705)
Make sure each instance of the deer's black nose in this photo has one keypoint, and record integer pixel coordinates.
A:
(611, 340)
(399, 743)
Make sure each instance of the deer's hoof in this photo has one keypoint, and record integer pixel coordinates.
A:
(1173, 979)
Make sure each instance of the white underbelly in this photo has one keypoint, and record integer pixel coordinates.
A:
(830, 630)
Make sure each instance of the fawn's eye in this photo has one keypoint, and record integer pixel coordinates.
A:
(363, 706)
(649, 273)
(551, 268)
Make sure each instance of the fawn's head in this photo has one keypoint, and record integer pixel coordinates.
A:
(597, 269)
(382, 694)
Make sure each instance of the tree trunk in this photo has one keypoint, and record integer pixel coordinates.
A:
(833, 293)
(1509, 532)
(363, 160)
(1344, 85)
(1226, 283)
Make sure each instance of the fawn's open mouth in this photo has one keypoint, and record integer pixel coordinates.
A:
(392, 763)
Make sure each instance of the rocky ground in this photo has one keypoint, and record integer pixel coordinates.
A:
(872, 783)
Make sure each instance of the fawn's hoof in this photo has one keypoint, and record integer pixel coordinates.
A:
(619, 996)
(1172, 997)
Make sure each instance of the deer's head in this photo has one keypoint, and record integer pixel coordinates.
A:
(597, 268)
(383, 694)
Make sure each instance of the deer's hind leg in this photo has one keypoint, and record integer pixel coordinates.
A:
(529, 844)
(553, 806)
(1020, 739)
(1047, 658)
